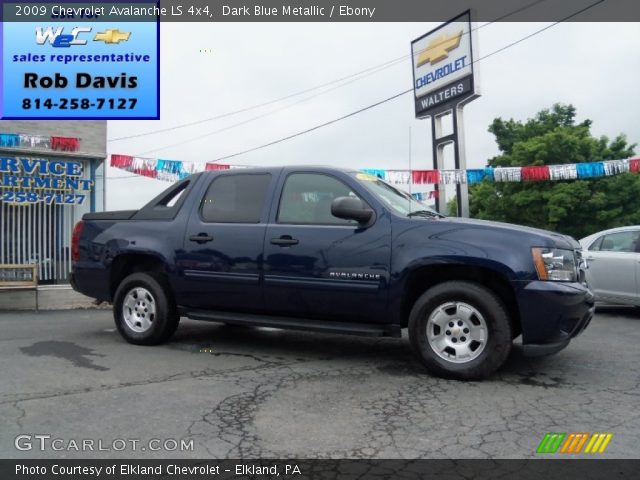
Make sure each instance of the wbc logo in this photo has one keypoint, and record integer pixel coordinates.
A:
(57, 38)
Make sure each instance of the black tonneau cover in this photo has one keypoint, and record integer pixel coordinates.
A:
(117, 215)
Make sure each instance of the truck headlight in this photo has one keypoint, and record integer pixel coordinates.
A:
(555, 264)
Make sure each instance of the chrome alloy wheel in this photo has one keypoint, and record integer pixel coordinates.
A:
(139, 309)
(457, 332)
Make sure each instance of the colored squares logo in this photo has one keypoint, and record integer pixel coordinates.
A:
(573, 443)
(598, 443)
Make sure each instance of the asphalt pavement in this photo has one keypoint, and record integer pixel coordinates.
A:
(72, 388)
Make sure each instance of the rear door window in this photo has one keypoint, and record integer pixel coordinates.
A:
(235, 198)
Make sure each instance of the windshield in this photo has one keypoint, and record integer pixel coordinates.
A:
(398, 200)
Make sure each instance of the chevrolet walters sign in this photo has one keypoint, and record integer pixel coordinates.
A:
(443, 69)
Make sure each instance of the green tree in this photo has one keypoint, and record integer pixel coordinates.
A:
(574, 207)
(452, 206)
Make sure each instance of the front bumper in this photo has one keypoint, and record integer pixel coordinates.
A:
(552, 313)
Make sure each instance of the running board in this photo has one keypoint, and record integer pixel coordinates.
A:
(247, 319)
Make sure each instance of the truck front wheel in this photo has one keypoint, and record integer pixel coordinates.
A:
(143, 309)
(460, 330)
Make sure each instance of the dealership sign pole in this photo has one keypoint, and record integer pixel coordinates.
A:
(444, 81)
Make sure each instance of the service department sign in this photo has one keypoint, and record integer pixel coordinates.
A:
(33, 180)
(443, 69)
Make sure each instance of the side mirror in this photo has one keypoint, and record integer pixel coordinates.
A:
(351, 208)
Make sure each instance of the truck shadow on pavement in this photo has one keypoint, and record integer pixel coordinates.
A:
(285, 345)
(392, 356)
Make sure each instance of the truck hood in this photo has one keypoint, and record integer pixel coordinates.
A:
(534, 235)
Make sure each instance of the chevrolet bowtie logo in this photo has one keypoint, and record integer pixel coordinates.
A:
(113, 35)
(439, 49)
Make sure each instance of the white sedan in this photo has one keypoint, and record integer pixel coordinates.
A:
(613, 257)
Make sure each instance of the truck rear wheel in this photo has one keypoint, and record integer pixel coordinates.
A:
(460, 330)
(144, 310)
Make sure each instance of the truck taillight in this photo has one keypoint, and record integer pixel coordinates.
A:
(75, 241)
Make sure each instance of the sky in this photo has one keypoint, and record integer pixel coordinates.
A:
(211, 69)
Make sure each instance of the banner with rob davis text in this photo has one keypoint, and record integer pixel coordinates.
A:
(77, 66)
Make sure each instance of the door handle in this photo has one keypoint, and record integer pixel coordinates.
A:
(285, 241)
(201, 238)
(590, 259)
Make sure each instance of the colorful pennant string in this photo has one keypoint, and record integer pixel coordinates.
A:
(535, 174)
(21, 140)
(563, 172)
(65, 144)
(173, 170)
(216, 166)
(9, 140)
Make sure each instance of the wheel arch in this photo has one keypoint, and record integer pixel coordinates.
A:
(127, 263)
(424, 277)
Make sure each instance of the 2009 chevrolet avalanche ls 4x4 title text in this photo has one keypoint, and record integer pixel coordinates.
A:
(331, 250)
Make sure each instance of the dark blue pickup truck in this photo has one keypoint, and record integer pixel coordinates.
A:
(331, 250)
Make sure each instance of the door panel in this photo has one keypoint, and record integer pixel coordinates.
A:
(221, 263)
(613, 274)
(316, 269)
(337, 273)
(614, 266)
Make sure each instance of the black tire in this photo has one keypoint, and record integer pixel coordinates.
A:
(491, 310)
(163, 322)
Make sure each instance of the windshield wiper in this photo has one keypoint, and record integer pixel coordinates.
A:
(425, 213)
